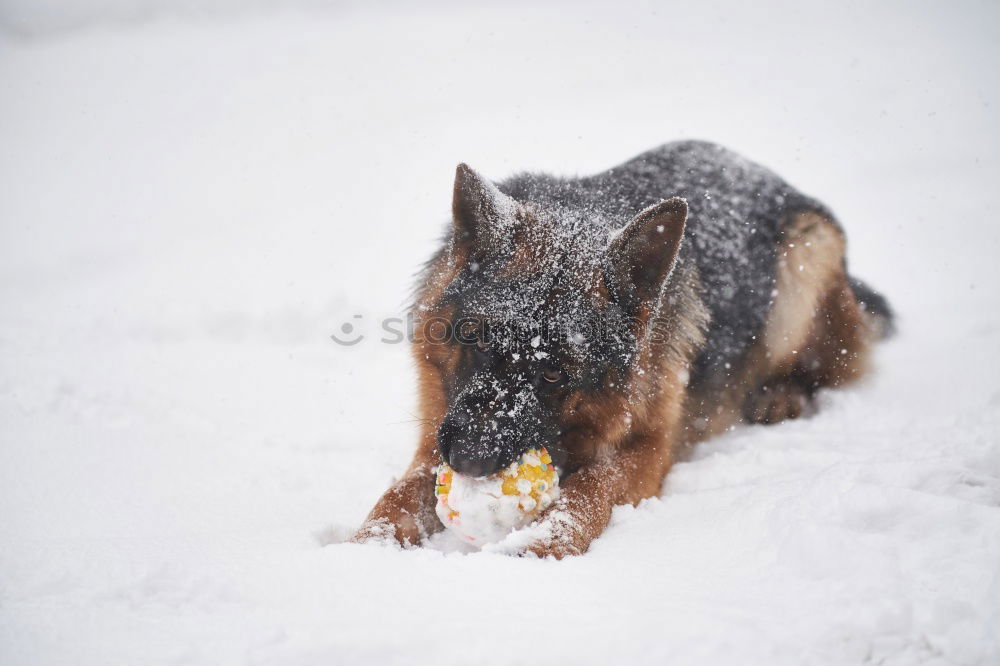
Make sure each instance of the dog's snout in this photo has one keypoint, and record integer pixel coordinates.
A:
(489, 424)
(462, 449)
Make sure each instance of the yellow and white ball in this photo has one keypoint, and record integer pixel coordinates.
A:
(485, 510)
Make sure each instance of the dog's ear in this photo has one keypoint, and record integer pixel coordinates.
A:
(479, 209)
(642, 254)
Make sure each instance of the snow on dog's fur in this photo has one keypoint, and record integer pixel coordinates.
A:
(615, 317)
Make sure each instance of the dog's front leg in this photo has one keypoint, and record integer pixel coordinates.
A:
(584, 506)
(405, 512)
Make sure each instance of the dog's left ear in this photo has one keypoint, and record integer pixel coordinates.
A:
(641, 256)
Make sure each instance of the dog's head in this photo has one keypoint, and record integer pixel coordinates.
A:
(533, 318)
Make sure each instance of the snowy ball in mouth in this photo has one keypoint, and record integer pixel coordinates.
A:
(485, 510)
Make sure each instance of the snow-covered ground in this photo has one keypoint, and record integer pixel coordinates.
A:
(191, 205)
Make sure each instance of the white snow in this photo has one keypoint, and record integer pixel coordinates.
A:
(192, 204)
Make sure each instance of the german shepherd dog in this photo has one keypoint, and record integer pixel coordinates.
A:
(616, 318)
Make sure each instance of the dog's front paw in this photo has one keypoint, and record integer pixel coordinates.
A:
(404, 514)
(558, 534)
(552, 548)
(379, 530)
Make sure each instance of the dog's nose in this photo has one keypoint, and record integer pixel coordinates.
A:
(473, 465)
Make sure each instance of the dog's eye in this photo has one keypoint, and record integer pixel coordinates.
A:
(552, 375)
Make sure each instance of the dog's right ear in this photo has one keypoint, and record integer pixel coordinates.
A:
(479, 210)
(642, 255)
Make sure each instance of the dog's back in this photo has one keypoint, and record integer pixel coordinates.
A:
(736, 225)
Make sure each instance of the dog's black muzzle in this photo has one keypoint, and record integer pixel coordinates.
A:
(487, 428)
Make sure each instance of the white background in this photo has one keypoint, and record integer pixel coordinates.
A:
(194, 196)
